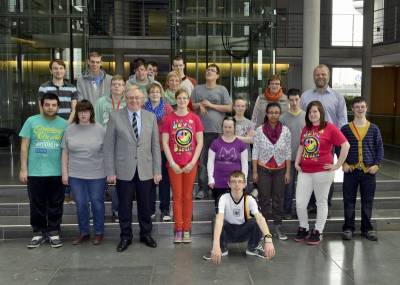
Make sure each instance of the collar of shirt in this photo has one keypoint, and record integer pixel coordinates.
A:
(327, 91)
(130, 114)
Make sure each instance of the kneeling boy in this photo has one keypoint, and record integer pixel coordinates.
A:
(238, 220)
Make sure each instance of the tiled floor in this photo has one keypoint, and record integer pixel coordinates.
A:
(333, 262)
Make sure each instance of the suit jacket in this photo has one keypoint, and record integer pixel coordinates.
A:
(123, 153)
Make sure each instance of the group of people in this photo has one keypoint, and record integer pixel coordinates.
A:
(140, 137)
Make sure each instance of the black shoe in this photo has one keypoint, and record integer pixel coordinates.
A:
(302, 234)
(315, 238)
(123, 245)
(370, 235)
(149, 241)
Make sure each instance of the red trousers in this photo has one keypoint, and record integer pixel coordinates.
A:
(182, 189)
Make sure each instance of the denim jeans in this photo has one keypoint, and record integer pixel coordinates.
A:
(85, 191)
(249, 231)
(367, 183)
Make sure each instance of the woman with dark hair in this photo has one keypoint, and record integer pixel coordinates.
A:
(226, 154)
(157, 105)
(271, 165)
(83, 169)
(314, 163)
(182, 138)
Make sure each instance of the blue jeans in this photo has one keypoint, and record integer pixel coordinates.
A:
(290, 189)
(85, 191)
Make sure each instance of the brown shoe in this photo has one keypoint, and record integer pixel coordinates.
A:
(81, 239)
(68, 199)
(98, 239)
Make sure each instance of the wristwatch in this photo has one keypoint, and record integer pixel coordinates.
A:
(268, 238)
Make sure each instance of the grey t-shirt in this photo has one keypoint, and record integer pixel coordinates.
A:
(219, 95)
(295, 125)
(242, 129)
(85, 148)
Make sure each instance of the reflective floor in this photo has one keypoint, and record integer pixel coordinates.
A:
(333, 262)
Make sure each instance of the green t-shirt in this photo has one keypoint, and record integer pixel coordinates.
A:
(44, 157)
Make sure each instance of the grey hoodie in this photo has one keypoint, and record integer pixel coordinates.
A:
(142, 85)
(88, 89)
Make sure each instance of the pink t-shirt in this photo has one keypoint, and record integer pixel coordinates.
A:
(318, 145)
(182, 136)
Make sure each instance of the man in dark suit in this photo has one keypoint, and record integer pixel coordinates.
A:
(133, 162)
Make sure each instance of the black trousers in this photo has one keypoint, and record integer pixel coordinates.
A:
(367, 183)
(249, 231)
(46, 199)
(126, 191)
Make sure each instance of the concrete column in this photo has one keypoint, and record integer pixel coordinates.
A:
(368, 27)
(311, 30)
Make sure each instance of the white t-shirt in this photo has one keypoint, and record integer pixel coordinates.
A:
(234, 212)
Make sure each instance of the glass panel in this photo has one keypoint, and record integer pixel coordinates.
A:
(35, 7)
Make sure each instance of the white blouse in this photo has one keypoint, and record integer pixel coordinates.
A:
(264, 150)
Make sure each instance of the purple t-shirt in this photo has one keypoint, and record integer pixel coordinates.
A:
(227, 160)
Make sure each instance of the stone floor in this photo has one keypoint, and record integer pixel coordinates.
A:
(333, 262)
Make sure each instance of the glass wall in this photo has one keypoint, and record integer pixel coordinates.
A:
(238, 35)
(31, 34)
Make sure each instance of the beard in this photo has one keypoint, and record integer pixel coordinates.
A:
(320, 83)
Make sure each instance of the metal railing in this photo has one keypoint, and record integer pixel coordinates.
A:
(387, 25)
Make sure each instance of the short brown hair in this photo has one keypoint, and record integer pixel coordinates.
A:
(117, 77)
(155, 85)
(94, 54)
(275, 77)
(237, 174)
(214, 65)
(180, 91)
(58, 61)
(322, 122)
(84, 105)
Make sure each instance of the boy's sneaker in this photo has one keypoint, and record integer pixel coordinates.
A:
(165, 217)
(55, 241)
(347, 235)
(315, 238)
(178, 237)
(279, 233)
(36, 241)
(208, 256)
(370, 235)
(258, 251)
(187, 237)
(302, 234)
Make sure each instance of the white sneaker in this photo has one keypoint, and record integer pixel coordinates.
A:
(55, 241)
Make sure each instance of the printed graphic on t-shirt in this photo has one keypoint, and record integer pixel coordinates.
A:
(236, 212)
(228, 155)
(47, 139)
(183, 136)
(311, 144)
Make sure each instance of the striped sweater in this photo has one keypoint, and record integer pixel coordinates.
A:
(372, 146)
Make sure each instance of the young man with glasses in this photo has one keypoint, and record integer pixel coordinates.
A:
(211, 101)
